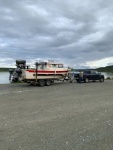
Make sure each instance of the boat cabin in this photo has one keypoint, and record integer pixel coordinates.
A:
(48, 65)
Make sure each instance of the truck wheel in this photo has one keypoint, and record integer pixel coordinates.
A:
(41, 82)
(101, 80)
(77, 80)
(48, 82)
(86, 80)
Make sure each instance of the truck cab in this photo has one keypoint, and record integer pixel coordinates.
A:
(89, 75)
(92, 75)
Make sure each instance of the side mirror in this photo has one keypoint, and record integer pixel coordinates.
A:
(99, 73)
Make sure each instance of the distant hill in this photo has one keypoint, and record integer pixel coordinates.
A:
(101, 69)
(105, 69)
(4, 69)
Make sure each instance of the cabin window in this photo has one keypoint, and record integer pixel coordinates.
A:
(49, 65)
(54, 65)
(60, 66)
(42, 67)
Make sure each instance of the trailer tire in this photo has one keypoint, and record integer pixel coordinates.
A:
(41, 82)
(48, 82)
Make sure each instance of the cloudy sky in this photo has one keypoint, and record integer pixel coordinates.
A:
(78, 33)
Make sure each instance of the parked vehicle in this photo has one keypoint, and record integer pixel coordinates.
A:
(88, 75)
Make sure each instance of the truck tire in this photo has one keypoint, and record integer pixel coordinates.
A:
(48, 82)
(41, 82)
(101, 80)
(86, 80)
(77, 80)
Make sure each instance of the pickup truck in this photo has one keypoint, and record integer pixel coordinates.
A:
(88, 75)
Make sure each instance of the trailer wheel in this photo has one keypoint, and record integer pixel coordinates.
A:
(48, 82)
(41, 82)
(70, 81)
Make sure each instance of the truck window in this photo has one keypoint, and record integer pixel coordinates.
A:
(87, 72)
(94, 72)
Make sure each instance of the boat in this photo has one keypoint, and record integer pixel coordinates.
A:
(44, 73)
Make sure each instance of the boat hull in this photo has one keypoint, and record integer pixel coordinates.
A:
(32, 75)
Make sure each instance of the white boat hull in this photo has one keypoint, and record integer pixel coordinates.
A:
(28, 75)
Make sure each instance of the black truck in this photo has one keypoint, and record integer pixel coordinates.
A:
(88, 75)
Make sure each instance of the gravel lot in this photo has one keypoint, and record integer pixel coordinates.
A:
(64, 116)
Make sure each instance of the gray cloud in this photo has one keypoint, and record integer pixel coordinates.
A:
(74, 32)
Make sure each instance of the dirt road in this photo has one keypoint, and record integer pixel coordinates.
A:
(64, 116)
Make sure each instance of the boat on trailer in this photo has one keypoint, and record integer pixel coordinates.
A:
(44, 73)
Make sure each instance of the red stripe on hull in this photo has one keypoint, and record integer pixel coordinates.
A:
(44, 71)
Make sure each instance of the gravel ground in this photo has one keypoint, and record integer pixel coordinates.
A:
(64, 116)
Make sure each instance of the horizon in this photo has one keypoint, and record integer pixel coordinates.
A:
(76, 33)
(72, 68)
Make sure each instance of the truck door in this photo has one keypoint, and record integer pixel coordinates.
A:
(95, 75)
